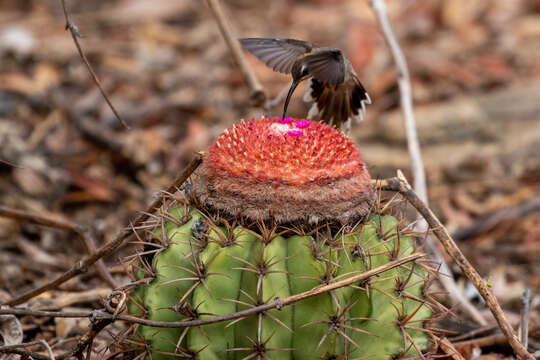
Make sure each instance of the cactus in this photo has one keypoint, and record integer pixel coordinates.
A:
(278, 208)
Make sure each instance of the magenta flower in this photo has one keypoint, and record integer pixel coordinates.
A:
(295, 132)
(287, 120)
(301, 124)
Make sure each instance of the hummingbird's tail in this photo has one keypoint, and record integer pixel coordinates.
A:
(337, 104)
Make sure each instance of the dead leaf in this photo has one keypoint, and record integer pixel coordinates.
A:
(92, 189)
(31, 181)
(11, 332)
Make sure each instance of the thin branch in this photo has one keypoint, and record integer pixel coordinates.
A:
(448, 282)
(9, 163)
(398, 185)
(524, 326)
(49, 350)
(108, 248)
(64, 224)
(86, 341)
(473, 333)
(75, 34)
(41, 313)
(26, 353)
(15, 349)
(481, 342)
(90, 242)
(417, 166)
(257, 95)
(276, 304)
(404, 83)
(449, 349)
(53, 222)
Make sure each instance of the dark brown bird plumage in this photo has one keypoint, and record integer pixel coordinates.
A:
(333, 85)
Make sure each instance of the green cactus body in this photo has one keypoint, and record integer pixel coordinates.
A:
(241, 269)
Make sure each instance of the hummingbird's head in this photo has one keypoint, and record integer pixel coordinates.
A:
(300, 72)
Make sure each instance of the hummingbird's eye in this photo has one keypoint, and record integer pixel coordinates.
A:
(305, 71)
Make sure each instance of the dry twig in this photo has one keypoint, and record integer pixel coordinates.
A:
(86, 341)
(404, 83)
(398, 185)
(524, 326)
(484, 341)
(9, 163)
(49, 350)
(75, 34)
(108, 248)
(257, 95)
(473, 333)
(16, 349)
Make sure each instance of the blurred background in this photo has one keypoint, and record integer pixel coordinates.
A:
(475, 71)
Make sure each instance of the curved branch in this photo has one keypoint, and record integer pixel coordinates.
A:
(75, 34)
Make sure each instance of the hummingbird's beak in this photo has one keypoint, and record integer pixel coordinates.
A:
(291, 90)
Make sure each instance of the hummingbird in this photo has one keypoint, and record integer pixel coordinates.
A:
(333, 85)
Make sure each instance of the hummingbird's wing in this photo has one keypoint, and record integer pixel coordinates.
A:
(278, 54)
(327, 66)
(337, 105)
